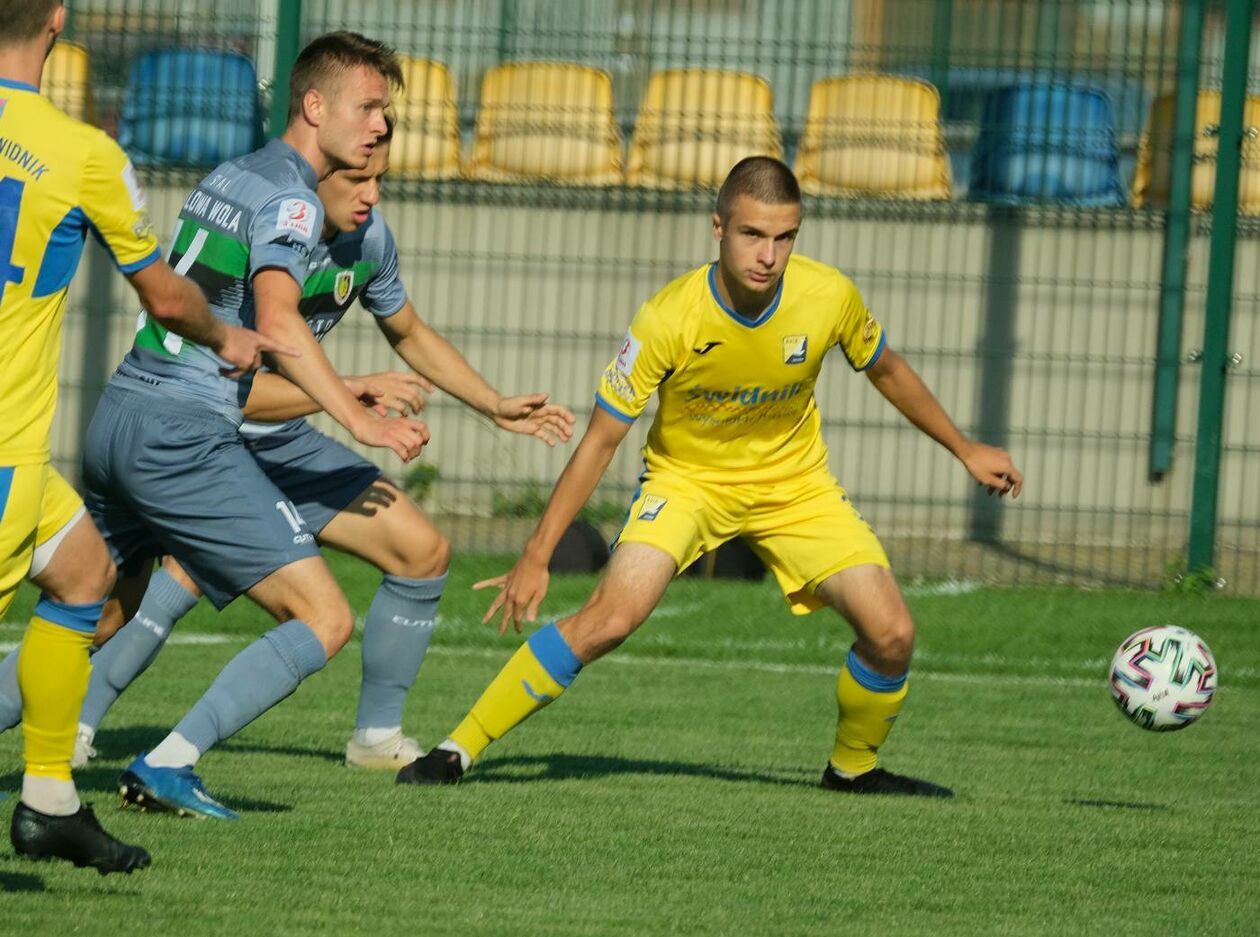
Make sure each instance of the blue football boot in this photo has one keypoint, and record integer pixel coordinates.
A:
(177, 790)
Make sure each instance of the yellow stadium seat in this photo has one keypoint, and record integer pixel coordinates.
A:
(695, 124)
(873, 135)
(426, 138)
(1153, 179)
(548, 121)
(67, 81)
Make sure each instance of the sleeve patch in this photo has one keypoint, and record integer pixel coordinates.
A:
(628, 354)
(134, 189)
(297, 215)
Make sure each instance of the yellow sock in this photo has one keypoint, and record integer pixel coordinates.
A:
(869, 703)
(53, 671)
(540, 670)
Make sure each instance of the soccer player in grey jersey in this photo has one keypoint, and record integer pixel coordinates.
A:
(166, 471)
(332, 487)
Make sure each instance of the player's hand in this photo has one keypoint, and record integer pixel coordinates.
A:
(406, 437)
(531, 415)
(992, 467)
(243, 350)
(390, 390)
(521, 591)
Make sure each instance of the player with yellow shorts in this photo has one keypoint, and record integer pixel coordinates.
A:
(732, 350)
(60, 179)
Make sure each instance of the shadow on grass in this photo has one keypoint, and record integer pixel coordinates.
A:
(519, 769)
(21, 881)
(1116, 804)
(335, 756)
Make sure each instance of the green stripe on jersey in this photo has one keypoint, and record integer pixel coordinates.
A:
(154, 337)
(219, 252)
(325, 281)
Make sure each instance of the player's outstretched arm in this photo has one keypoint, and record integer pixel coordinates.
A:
(905, 390)
(523, 588)
(417, 343)
(179, 305)
(273, 398)
(276, 296)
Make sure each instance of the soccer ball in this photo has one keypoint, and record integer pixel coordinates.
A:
(1163, 678)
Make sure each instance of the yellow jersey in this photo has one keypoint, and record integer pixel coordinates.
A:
(737, 395)
(59, 178)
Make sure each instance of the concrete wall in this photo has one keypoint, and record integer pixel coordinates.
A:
(1040, 338)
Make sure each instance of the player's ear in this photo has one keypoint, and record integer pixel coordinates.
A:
(313, 106)
(717, 227)
(58, 21)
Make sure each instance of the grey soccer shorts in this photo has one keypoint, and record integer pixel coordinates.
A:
(164, 476)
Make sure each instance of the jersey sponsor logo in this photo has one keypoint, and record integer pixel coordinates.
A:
(628, 354)
(651, 507)
(342, 287)
(708, 347)
(218, 212)
(795, 349)
(745, 396)
(868, 330)
(618, 383)
(296, 215)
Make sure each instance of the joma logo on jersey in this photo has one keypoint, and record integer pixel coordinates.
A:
(795, 348)
(342, 287)
(651, 507)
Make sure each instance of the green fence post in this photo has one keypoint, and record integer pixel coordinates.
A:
(1207, 451)
(507, 30)
(1172, 288)
(942, 38)
(288, 44)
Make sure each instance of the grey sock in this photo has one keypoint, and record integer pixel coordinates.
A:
(10, 693)
(395, 640)
(253, 681)
(130, 652)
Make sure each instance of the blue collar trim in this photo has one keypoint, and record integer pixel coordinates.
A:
(748, 323)
(18, 85)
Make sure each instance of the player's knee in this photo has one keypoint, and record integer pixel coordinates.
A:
(426, 560)
(333, 624)
(892, 644)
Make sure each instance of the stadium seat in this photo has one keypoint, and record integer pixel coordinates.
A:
(1152, 181)
(190, 107)
(67, 81)
(695, 124)
(1047, 143)
(873, 135)
(549, 121)
(426, 139)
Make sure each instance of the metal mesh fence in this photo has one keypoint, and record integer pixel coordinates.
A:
(993, 174)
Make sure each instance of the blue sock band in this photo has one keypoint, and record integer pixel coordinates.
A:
(870, 679)
(75, 617)
(554, 653)
(128, 654)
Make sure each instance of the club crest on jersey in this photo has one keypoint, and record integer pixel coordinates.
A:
(651, 507)
(342, 286)
(795, 348)
(296, 215)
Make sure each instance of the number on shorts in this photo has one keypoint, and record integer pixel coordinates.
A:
(290, 514)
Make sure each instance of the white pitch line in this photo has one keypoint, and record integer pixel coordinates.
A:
(733, 665)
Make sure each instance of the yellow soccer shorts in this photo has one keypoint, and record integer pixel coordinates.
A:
(37, 508)
(804, 530)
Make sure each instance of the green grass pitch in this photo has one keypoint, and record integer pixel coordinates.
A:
(672, 791)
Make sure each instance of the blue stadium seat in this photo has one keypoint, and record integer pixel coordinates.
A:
(190, 107)
(965, 89)
(1047, 142)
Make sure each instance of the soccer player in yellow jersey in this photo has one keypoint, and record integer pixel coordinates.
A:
(60, 178)
(733, 349)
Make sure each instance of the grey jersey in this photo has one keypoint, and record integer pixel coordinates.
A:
(252, 213)
(361, 264)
